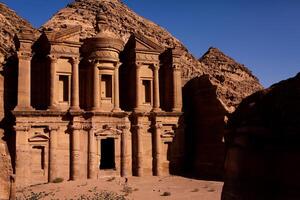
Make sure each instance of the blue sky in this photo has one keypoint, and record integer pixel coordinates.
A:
(262, 34)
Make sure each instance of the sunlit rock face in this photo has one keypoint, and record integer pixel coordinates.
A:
(263, 152)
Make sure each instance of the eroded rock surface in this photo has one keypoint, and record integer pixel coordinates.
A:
(263, 152)
(6, 181)
(10, 24)
(234, 80)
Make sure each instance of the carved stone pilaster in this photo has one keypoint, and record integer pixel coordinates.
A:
(75, 152)
(53, 96)
(157, 162)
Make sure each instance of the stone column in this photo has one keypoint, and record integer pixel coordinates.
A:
(75, 153)
(53, 82)
(156, 103)
(116, 89)
(139, 157)
(125, 151)
(96, 88)
(177, 89)
(53, 167)
(75, 84)
(157, 151)
(22, 161)
(138, 89)
(24, 79)
(92, 165)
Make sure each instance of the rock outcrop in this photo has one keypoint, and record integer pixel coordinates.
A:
(7, 190)
(263, 145)
(224, 72)
(234, 81)
(10, 24)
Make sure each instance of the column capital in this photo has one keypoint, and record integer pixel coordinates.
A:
(123, 127)
(118, 64)
(24, 55)
(138, 65)
(155, 66)
(88, 127)
(176, 67)
(53, 128)
(76, 127)
(74, 60)
(138, 127)
(53, 57)
(158, 126)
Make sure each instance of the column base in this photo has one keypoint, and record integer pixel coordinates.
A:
(23, 108)
(53, 107)
(116, 110)
(156, 110)
(75, 109)
(176, 110)
(137, 109)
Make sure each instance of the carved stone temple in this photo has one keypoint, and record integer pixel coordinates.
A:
(100, 91)
(94, 108)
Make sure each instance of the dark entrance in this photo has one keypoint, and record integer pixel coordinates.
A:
(107, 154)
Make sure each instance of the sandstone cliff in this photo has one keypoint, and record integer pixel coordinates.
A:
(10, 24)
(233, 81)
(6, 182)
(263, 145)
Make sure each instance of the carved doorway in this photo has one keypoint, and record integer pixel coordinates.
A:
(107, 154)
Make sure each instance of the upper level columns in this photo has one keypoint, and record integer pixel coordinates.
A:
(25, 39)
(75, 84)
(53, 167)
(53, 91)
(138, 89)
(177, 89)
(75, 153)
(116, 89)
(96, 87)
(24, 78)
(156, 103)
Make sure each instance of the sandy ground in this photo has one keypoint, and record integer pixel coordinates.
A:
(146, 188)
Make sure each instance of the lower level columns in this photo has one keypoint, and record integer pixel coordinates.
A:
(125, 151)
(22, 163)
(75, 153)
(92, 159)
(53, 167)
(157, 168)
(139, 151)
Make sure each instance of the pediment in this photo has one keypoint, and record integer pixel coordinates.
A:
(39, 137)
(69, 34)
(145, 44)
(107, 132)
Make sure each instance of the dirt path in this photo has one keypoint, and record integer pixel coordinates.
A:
(146, 188)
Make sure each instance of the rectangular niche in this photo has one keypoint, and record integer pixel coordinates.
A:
(146, 91)
(64, 88)
(106, 86)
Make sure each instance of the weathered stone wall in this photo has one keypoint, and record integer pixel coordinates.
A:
(204, 117)
(262, 160)
(7, 189)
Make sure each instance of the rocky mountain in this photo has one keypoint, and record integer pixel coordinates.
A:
(233, 80)
(10, 24)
